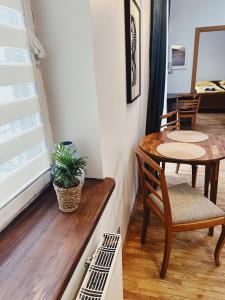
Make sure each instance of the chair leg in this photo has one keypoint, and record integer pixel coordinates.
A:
(177, 168)
(163, 165)
(167, 250)
(207, 180)
(146, 217)
(194, 175)
(193, 123)
(219, 246)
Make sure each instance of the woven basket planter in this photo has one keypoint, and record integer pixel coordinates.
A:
(68, 199)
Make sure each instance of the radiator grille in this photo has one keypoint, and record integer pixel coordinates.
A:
(95, 280)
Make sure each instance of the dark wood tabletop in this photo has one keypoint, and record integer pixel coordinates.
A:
(214, 147)
(40, 250)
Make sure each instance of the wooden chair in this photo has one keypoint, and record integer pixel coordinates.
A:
(187, 107)
(174, 124)
(179, 208)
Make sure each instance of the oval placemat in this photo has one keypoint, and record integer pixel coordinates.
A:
(187, 136)
(184, 151)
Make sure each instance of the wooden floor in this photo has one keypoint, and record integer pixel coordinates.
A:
(191, 273)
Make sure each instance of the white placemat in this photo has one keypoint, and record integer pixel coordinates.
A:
(187, 136)
(183, 151)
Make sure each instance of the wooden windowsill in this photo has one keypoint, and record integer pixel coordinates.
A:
(40, 250)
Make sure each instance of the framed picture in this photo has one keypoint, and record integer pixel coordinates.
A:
(133, 49)
(178, 56)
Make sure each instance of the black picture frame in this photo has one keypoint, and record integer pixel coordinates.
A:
(133, 49)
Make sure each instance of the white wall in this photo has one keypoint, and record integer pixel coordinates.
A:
(145, 42)
(117, 127)
(65, 32)
(119, 122)
(184, 18)
(211, 62)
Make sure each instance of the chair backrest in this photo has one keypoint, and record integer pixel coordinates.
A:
(174, 122)
(188, 104)
(153, 186)
(187, 107)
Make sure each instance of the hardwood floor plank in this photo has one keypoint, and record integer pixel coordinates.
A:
(192, 273)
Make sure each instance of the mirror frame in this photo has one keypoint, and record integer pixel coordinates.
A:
(198, 30)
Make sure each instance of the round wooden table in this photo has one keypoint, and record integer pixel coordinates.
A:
(215, 151)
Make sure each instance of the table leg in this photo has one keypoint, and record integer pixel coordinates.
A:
(214, 186)
(207, 180)
(194, 175)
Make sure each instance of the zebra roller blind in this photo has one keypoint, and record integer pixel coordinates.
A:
(23, 150)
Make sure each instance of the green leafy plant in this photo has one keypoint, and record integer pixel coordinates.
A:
(66, 167)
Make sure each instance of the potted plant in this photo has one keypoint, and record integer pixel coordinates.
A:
(66, 169)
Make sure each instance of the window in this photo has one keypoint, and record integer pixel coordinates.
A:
(24, 158)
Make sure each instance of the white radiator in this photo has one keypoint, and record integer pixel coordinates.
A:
(103, 280)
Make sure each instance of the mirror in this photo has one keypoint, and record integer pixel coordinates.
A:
(208, 61)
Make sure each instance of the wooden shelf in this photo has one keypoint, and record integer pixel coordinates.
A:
(40, 250)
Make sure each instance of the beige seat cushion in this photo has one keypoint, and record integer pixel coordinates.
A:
(188, 205)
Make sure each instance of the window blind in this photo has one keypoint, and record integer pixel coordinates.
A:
(23, 150)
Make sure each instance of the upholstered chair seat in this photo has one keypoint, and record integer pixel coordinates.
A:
(188, 205)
